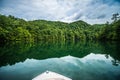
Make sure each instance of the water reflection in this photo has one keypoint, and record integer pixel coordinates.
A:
(18, 52)
(91, 67)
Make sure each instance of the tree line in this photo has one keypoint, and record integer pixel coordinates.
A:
(16, 29)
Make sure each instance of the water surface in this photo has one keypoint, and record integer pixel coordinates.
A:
(78, 61)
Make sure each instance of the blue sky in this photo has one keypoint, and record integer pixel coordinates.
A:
(91, 11)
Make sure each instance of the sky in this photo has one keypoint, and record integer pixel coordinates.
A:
(91, 11)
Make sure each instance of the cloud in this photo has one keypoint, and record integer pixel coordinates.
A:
(101, 16)
(92, 11)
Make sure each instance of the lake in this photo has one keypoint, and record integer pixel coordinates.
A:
(76, 60)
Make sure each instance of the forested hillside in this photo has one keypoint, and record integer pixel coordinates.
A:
(15, 29)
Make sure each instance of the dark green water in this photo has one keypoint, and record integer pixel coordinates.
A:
(78, 61)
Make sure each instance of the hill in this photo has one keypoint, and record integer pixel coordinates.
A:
(15, 29)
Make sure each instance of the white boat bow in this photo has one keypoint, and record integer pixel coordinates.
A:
(49, 75)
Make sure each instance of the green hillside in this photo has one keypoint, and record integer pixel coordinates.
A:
(16, 29)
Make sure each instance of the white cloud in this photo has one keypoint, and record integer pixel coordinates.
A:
(92, 11)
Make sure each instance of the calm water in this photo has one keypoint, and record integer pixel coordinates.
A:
(78, 61)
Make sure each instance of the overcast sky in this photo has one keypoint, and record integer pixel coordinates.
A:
(91, 11)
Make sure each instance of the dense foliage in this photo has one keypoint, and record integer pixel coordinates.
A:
(14, 52)
(15, 29)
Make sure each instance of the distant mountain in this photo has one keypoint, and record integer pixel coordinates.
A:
(79, 23)
(12, 29)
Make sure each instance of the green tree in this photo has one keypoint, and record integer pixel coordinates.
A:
(115, 17)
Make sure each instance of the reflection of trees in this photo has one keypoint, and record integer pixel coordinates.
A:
(115, 62)
(112, 49)
(17, 52)
(107, 56)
